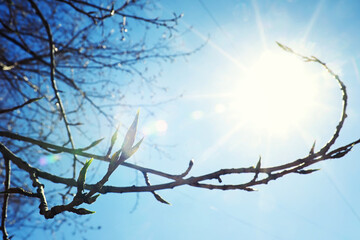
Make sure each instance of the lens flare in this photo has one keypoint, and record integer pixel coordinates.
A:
(219, 108)
(161, 126)
(158, 127)
(49, 159)
(197, 115)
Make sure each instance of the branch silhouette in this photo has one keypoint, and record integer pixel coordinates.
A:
(60, 52)
(260, 175)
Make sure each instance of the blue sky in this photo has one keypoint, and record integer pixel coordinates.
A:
(215, 124)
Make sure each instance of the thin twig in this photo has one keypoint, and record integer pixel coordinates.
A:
(41, 193)
(6, 197)
(272, 173)
(20, 191)
(157, 196)
(112, 12)
(20, 106)
(52, 77)
(59, 149)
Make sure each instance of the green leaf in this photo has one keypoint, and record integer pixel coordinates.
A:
(312, 150)
(83, 211)
(127, 154)
(114, 158)
(285, 48)
(93, 144)
(82, 174)
(130, 135)
(160, 199)
(34, 99)
(92, 199)
(280, 45)
(114, 136)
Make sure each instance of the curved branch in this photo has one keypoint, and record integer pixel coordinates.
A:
(261, 175)
(327, 146)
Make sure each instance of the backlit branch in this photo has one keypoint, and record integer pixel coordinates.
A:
(258, 175)
(109, 12)
(67, 52)
(272, 173)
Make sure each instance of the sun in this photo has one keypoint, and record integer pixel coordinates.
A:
(276, 95)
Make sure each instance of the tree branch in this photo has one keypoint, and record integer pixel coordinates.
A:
(118, 11)
(20, 191)
(261, 175)
(20, 106)
(59, 149)
(6, 197)
(52, 78)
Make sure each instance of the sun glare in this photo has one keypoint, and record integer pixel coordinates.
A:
(276, 95)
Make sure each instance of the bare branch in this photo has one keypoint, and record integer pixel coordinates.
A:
(157, 196)
(6, 197)
(112, 12)
(20, 106)
(59, 149)
(52, 78)
(20, 191)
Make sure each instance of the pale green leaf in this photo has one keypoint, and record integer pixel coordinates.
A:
(93, 144)
(130, 135)
(114, 136)
(160, 199)
(115, 156)
(127, 154)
